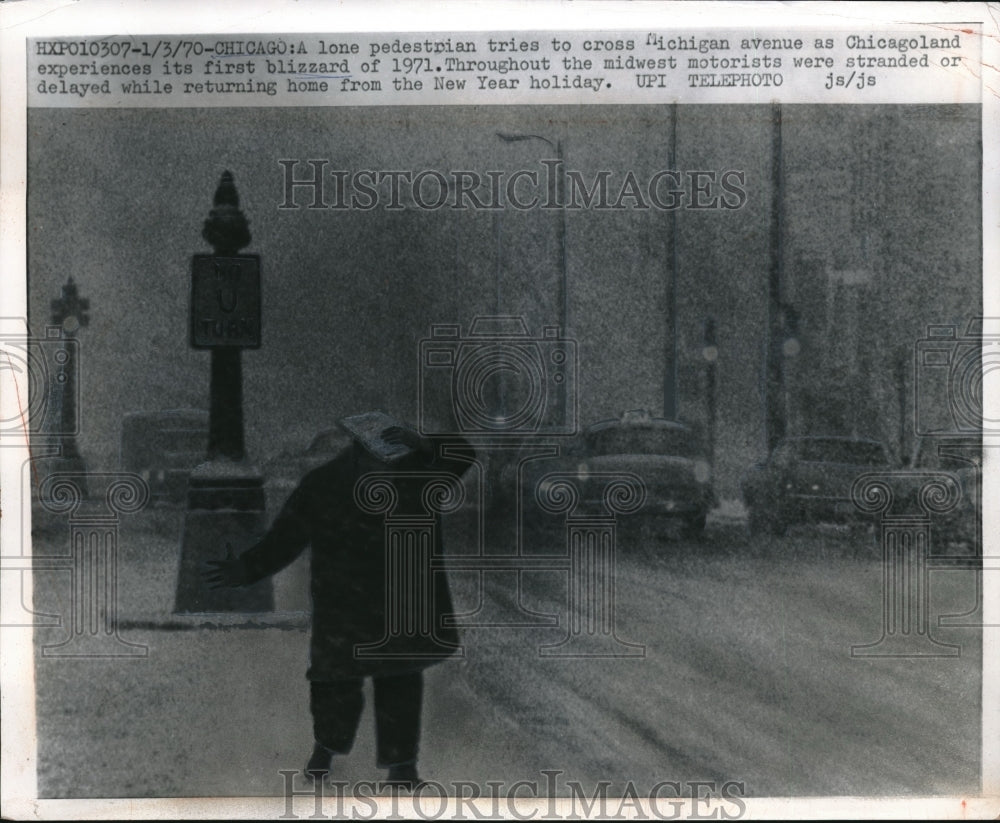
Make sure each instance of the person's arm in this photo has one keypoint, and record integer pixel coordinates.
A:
(453, 455)
(460, 454)
(284, 541)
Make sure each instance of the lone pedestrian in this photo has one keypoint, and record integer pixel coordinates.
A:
(349, 592)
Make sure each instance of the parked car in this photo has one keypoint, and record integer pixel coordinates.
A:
(808, 480)
(960, 457)
(667, 456)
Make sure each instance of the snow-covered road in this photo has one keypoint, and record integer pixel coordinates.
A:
(746, 676)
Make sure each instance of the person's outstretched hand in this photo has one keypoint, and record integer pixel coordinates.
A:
(225, 573)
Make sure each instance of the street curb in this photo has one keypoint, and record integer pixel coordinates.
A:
(287, 621)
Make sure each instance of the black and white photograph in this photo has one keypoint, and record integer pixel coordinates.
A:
(592, 420)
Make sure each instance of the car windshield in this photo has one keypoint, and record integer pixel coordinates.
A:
(854, 452)
(635, 440)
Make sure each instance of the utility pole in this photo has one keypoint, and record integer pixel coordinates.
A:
(670, 354)
(562, 298)
(774, 424)
(710, 352)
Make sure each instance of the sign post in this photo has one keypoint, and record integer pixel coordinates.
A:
(225, 318)
(226, 492)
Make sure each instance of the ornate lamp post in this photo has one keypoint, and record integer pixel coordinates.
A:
(70, 313)
(54, 447)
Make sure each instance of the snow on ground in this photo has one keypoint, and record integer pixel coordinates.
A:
(747, 675)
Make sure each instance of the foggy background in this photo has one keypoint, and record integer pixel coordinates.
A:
(748, 671)
(881, 222)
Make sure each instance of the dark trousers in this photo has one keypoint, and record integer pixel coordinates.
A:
(336, 709)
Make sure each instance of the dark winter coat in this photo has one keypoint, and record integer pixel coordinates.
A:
(349, 592)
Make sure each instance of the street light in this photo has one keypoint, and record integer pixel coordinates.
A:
(790, 348)
(710, 352)
(560, 182)
(560, 199)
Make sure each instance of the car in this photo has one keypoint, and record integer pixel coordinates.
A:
(960, 457)
(808, 480)
(667, 456)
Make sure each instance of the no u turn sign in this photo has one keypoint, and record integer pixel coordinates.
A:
(225, 301)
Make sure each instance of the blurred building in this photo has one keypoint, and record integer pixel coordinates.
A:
(880, 236)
